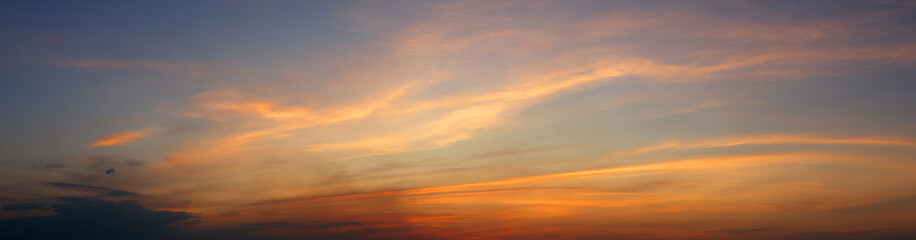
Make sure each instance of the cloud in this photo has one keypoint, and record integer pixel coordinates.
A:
(876, 234)
(97, 219)
(802, 139)
(699, 163)
(78, 186)
(337, 224)
(91, 218)
(103, 191)
(560, 56)
(752, 230)
(119, 193)
(463, 71)
(898, 204)
(252, 227)
(783, 233)
(226, 105)
(442, 121)
(122, 138)
(24, 206)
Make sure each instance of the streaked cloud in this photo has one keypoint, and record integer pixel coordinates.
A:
(100, 191)
(122, 138)
(803, 139)
(724, 162)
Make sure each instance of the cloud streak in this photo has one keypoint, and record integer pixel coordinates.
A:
(791, 139)
(703, 163)
(122, 138)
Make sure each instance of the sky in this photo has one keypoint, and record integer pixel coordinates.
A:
(458, 120)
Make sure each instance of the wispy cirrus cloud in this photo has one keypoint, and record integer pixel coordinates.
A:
(702, 163)
(771, 139)
(583, 57)
(122, 138)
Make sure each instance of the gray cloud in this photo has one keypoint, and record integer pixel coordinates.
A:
(78, 186)
(92, 218)
(103, 191)
(23, 206)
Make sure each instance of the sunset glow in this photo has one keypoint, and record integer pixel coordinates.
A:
(458, 120)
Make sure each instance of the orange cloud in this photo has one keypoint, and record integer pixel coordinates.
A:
(122, 138)
(421, 48)
(699, 163)
(224, 104)
(809, 139)
(444, 121)
(420, 118)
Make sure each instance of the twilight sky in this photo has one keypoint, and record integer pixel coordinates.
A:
(458, 119)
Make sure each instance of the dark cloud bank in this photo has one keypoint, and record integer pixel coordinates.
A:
(92, 218)
(79, 218)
